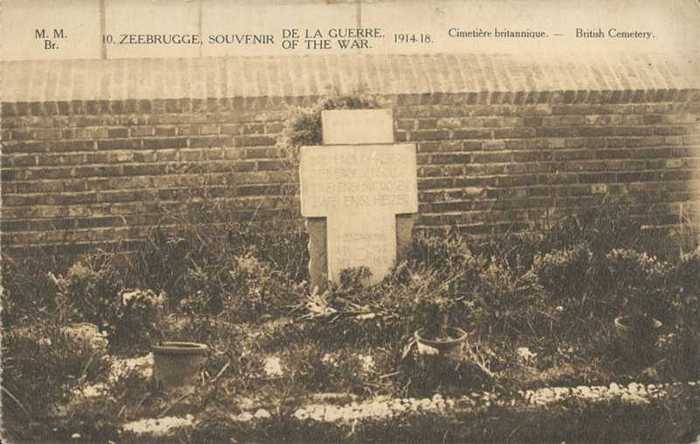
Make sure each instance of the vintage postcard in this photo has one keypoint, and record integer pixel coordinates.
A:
(424, 221)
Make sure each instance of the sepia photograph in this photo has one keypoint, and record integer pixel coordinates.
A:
(349, 221)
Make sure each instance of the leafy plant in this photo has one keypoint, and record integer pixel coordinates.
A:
(508, 302)
(137, 321)
(43, 362)
(28, 295)
(92, 419)
(638, 284)
(569, 290)
(434, 312)
(303, 125)
(88, 291)
(682, 345)
(161, 263)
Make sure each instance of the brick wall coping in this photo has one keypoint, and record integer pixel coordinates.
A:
(296, 76)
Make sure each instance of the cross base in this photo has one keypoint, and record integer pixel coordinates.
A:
(318, 245)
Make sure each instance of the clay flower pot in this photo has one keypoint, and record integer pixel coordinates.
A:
(636, 338)
(448, 345)
(176, 364)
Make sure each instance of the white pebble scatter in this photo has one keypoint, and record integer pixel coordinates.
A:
(383, 407)
(142, 364)
(273, 367)
(262, 413)
(158, 426)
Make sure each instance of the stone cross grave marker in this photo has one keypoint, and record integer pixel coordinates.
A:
(358, 193)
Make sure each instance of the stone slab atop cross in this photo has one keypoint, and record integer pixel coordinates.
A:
(359, 189)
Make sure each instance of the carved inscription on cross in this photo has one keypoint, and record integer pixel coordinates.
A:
(360, 190)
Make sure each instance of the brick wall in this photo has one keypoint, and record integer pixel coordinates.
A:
(93, 161)
(498, 165)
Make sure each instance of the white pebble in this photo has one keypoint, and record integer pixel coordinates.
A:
(262, 413)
